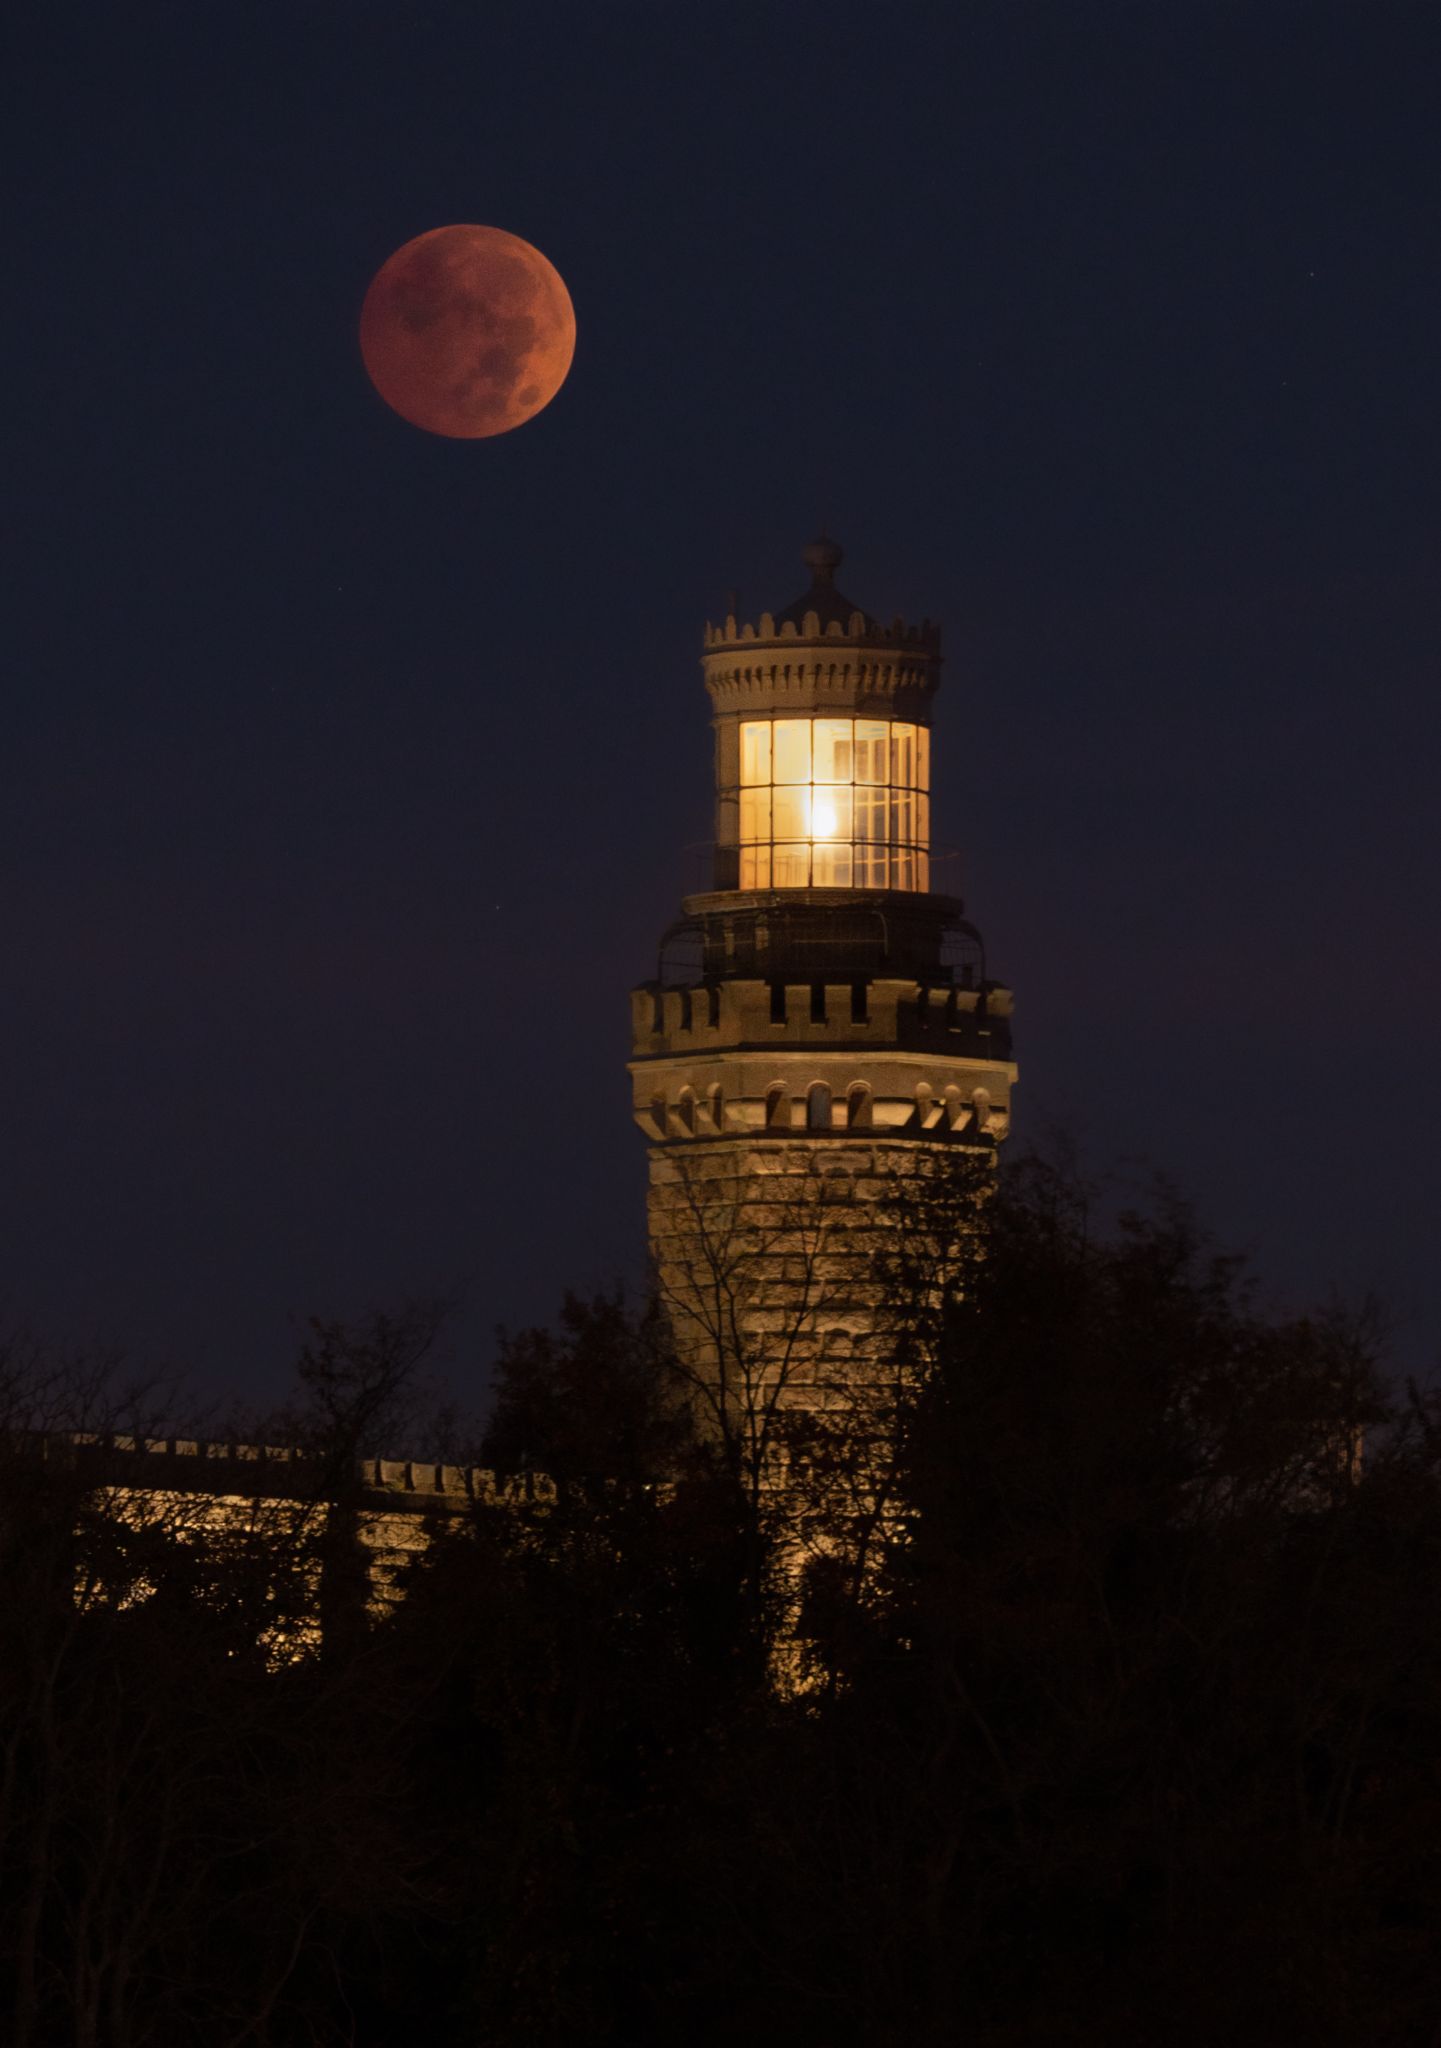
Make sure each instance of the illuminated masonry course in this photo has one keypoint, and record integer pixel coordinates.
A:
(392, 1509)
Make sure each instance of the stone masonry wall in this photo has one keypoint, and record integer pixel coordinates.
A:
(766, 1255)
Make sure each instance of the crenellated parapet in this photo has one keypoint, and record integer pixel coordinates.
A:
(822, 1059)
(821, 654)
(898, 636)
(904, 1014)
(456, 1487)
(382, 1513)
(184, 1465)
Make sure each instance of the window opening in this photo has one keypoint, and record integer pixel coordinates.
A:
(858, 1107)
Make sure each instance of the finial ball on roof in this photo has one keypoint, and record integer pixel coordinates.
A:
(823, 557)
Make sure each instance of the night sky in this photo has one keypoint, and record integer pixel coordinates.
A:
(349, 772)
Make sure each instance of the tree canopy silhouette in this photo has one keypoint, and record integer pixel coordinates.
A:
(1120, 1717)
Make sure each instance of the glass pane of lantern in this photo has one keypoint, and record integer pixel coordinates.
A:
(755, 814)
(923, 871)
(755, 751)
(923, 757)
(791, 761)
(791, 867)
(791, 814)
(831, 867)
(904, 869)
(903, 756)
(755, 867)
(832, 750)
(871, 808)
(903, 817)
(870, 867)
(872, 735)
(923, 820)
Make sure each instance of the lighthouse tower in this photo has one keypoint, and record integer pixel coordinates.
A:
(822, 1037)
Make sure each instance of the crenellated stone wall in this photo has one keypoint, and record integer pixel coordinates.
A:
(827, 1060)
(206, 1492)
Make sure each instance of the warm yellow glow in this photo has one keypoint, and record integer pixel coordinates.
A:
(834, 803)
(791, 752)
(755, 753)
(791, 811)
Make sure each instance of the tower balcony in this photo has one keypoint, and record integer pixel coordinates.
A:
(821, 934)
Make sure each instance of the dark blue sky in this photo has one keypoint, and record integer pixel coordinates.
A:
(348, 771)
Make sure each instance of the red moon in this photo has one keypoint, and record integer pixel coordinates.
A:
(467, 331)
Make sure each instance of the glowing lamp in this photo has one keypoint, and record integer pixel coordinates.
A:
(823, 816)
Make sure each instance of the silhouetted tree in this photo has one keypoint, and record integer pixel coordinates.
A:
(1115, 1726)
(593, 1400)
(582, 1661)
(1125, 1729)
(191, 1797)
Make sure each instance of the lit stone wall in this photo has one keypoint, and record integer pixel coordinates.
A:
(794, 1131)
(771, 1258)
(746, 1056)
(233, 1494)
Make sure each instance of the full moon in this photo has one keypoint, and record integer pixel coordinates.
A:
(467, 331)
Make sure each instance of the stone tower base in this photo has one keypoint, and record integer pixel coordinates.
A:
(776, 1265)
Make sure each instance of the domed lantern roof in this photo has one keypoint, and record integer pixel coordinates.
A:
(823, 557)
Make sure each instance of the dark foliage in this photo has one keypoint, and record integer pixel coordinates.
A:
(591, 1401)
(1129, 1732)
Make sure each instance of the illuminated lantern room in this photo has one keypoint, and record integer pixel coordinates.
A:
(823, 744)
(835, 803)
